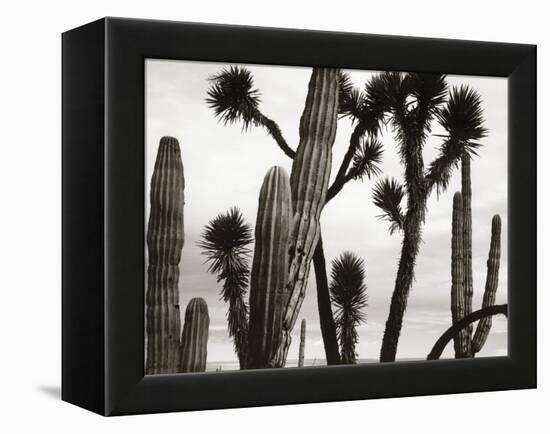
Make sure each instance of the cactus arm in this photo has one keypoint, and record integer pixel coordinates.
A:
(165, 239)
(491, 285)
(467, 221)
(309, 183)
(302, 344)
(269, 269)
(452, 331)
(194, 337)
(458, 299)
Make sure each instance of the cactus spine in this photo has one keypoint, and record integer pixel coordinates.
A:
(458, 296)
(165, 239)
(309, 182)
(491, 285)
(467, 216)
(194, 338)
(269, 269)
(302, 344)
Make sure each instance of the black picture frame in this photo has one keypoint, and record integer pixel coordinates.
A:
(103, 218)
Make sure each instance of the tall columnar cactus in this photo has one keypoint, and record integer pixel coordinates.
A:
(458, 296)
(309, 182)
(302, 344)
(165, 241)
(467, 220)
(194, 338)
(269, 269)
(491, 285)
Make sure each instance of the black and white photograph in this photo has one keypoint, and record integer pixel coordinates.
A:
(312, 216)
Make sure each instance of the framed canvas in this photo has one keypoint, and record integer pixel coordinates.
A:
(257, 216)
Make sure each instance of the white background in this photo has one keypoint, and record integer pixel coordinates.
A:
(30, 183)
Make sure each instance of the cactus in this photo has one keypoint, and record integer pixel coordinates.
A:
(309, 182)
(458, 296)
(491, 285)
(467, 240)
(194, 338)
(451, 332)
(269, 269)
(165, 239)
(302, 344)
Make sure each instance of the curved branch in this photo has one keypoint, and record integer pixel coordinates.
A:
(275, 132)
(463, 323)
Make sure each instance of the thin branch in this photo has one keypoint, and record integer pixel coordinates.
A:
(275, 132)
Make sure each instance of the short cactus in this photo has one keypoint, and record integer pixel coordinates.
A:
(194, 338)
(302, 344)
(165, 241)
(309, 183)
(491, 285)
(269, 269)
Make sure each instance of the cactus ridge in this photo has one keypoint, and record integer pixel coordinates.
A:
(309, 182)
(458, 296)
(194, 337)
(165, 238)
(467, 213)
(269, 268)
(491, 285)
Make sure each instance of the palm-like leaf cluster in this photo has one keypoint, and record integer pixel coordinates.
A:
(349, 298)
(367, 159)
(387, 195)
(365, 107)
(233, 98)
(462, 118)
(225, 242)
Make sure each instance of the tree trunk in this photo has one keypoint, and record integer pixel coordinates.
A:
(403, 283)
(326, 318)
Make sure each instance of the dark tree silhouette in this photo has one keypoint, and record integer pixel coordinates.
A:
(349, 297)
(225, 242)
(412, 102)
(234, 99)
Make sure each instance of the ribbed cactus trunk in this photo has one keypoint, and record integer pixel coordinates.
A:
(491, 285)
(309, 183)
(269, 273)
(467, 221)
(194, 338)
(302, 344)
(165, 241)
(458, 296)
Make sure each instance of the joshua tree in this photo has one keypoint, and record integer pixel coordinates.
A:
(349, 296)
(413, 101)
(225, 242)
(234, 99)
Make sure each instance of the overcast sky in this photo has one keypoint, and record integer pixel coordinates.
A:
(224, 167)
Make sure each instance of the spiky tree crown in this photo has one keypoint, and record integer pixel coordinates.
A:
(233, 97)
(463, 121)
(225, 242)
